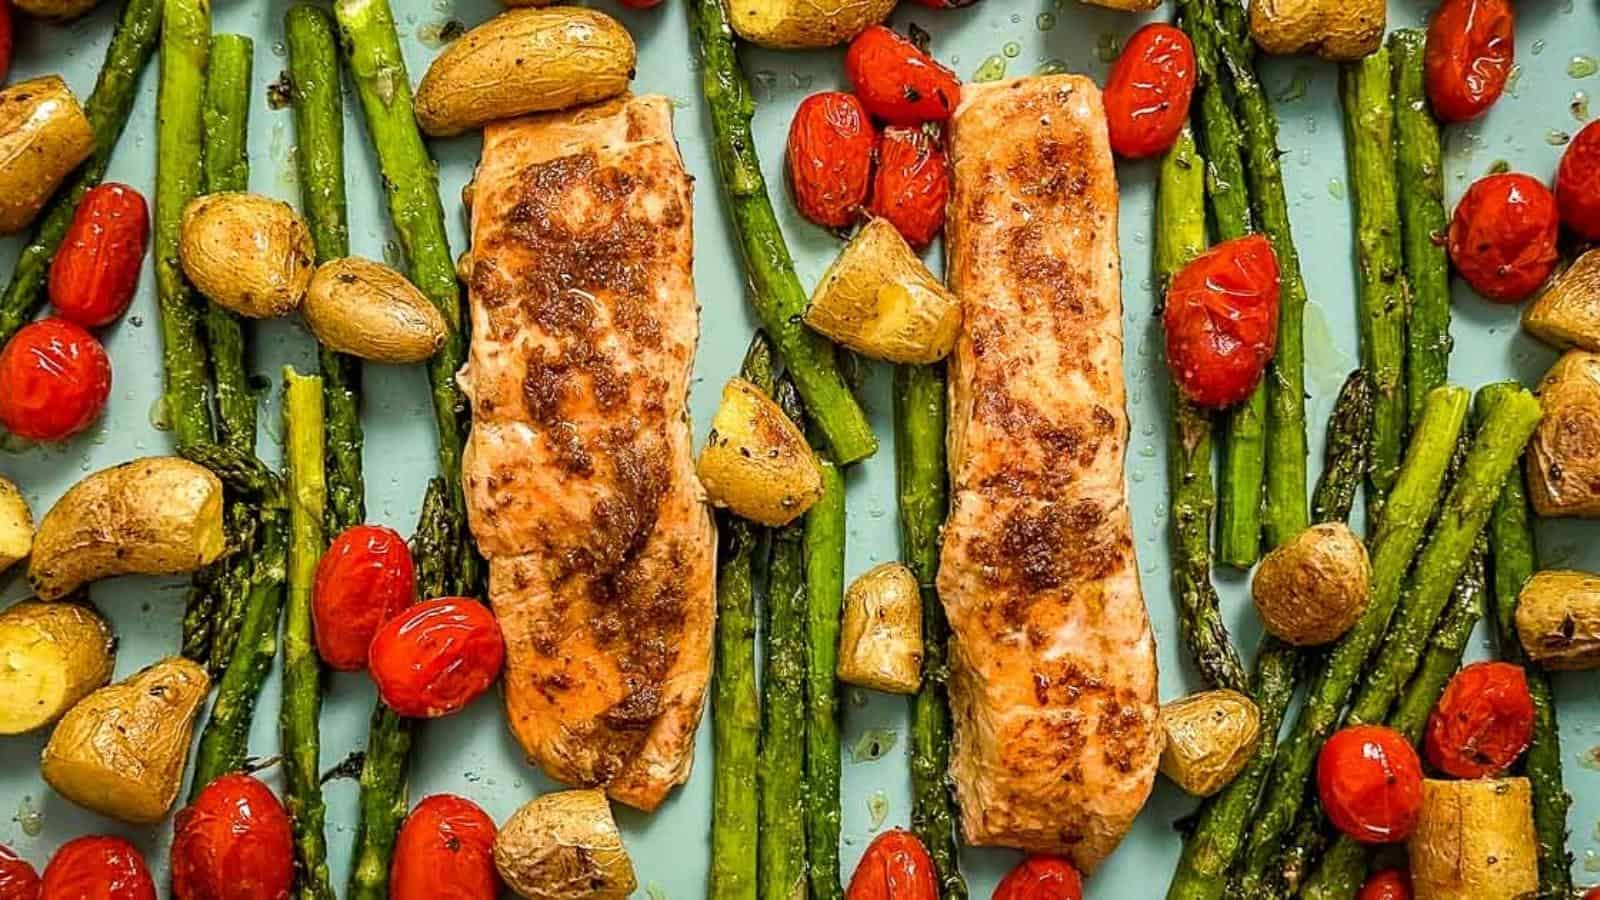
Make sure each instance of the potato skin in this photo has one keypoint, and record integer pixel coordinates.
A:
(755, 461)
(1329, 28)
(1558, 620)
(798, 24)
(16, 525)
(564, 846)
(880, 637)
(1210, 738)
(1311, 589)
(121, 750)
(1126, 5)
(159, 515)
(246, 252)
(1475, 841)
(44, 134)
(523, 61)
(55, 654)
(59, 10)
(879, 299)
(369, 310)
(1564, 454)
(1567, 314)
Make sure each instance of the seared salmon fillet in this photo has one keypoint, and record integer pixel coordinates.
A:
(1053, 682)
(579, 471)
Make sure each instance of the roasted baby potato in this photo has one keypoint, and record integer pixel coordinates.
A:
(1474, 841)
(160, 515)
(1311, 589)
(44, 135)
(1564, 454)
(53, 655)
(564, 846)
(1558, 619)
(1126, 5)
(524, 61)
(755, 461)
(16, 525)
(59, 10)
(1567, 314)
(246, 252)
(879, 299)
(880, 637)
(369, 310)
(1210, 737)
(121, 750)
(797, 24)
(1332, 29)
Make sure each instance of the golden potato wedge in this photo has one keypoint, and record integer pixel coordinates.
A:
(1558, 619)
(755, 461)
(1311, 589)
(1210, 738)
(564, 846)
(121, 750)
(880, 300)
(880, 635)
(1332, 29)
(16, 525)
(248, 253)
(1475, 841)
(1567, 314)
(523, 61)
(369, 310)
(160, 515)
(44, 135)
(1564, 454)
(1126, 5)
(51, 656)
(797, 24)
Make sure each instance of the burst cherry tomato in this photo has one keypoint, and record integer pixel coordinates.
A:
(1147, 93)
(18, 880)
(1578, 183)
(1386, 884)
(1221, 321)
(1370, 781)
(233, 843)
(436, 657)
(895, 867)
(831, 141)
(897, 82)
(1483, 722)
(1041, 878)
(96, 271)
(98, 867)
(1469, 56)
(1503, 236)
(54, 381)
(445, 852)
(911, 185)
(365, 578)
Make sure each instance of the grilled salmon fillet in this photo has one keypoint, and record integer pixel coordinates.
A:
(579, 472)
(1053, 683)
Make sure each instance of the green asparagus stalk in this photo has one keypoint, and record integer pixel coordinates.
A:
(227, 168)
(824, 562)
(1349, 446)
(775, 290)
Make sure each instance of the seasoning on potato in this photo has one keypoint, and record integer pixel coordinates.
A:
(755, 461)
(1564, 454)
(369, 310)
(880, 300)
(524, 61)
(798, 24)
(247, 253)
(1329, 28)
(1210, 737)
(16, 525)
(1475, 841)
(564, 846)
(1558, 619)
(880, 637)
(1311, 589)
(44, 135)
(1567, 314)
(54, 654)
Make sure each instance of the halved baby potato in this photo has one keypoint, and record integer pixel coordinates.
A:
(51, 656)
(797, 24)
(755, 461)
(880, 300)
(16, 526)
(1567, 314)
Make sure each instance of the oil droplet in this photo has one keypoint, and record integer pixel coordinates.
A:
(29, 817)
(1513, 78)
(1591, 861)
(878, 808)
(1556, 138)
(1296, 88)
(1052, 67)
(159, 419)
(1582, 66)
(655, 891)
(1580, 106)
(1336, 189)
(1538, 47)
(1045, 21)
(434, 35)
(992, 69)
(1012, 49)
(873, 745)
(1107, 47)
(766, 80)
(800, 81)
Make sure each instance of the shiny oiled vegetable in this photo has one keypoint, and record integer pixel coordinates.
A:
(824, 563)
(44, 134)
(880, 644)
(879, 299)
(233, 839)
(1331, 30)
(247, 253)
(16, 525)
(1564, 456)
(55, 654)
(564, 846)
(1567, 314)
(1474, 840)
(1210, 738)
(1558, 620)
(796, 24)
(755, 461)
(55, 379)
(1311, 590)
(368, 310)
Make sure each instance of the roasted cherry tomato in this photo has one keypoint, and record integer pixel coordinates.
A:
(1469, 56)
(445, 852)
(897, 82)
(54, 380)
(436, 657)
(1147, 93)
(1578, 183)
(641, 4)
(911, 185)
(895, 867)
(1386, 884)
(366, 577)
(95, 273)
(1503, 236)
(1221, 321)
(18, 880)
(831, 141)
(1370, 781)
(1041, 878)
(1592, 894)
(5, 39)
(233, 843)
(98, 867)
(1483, 721)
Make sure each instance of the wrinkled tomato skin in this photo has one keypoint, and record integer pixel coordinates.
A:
(1470, 52)
(831, 143)
(1483, 721)
(1147, 93)
(895, 867)
(1041, 878)
(445, 851)
(912, 184)
(896, 81)
(18, 880)
(1369, 779)
(436, 657)
(365, 579)
(54, 381)
(1578, 183)
(1386, 884)
(96, 272)
(233, 843)
(1221, 320)
(97, 867)
(1503, 236)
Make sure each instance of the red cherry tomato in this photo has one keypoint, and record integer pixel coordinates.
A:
(897, 82)
(95, 273)
(895, 867)
(1041, 878)
(98, 867)
(1592, 894)
(911, 185)
(831, 141)
(445, 851)
(1147, 93)
(1483, 721)
(18, 880)
(233, 843)
(641, 4)
(1578, 183)
(365, 579)
(1221, 320)
(5, 39)
(1503, 236)
(1471, 44)
(1386, 884)
(1370, 781)
(436, 657)
(54, 381)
